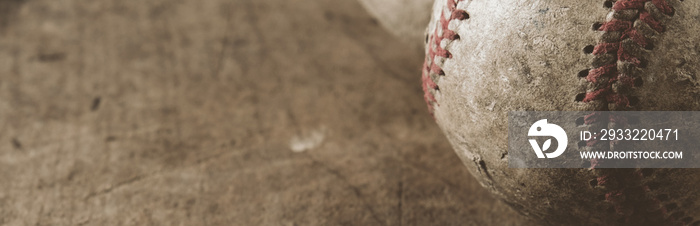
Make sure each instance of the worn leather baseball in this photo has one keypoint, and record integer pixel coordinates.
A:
(405, 19)
(486, 58)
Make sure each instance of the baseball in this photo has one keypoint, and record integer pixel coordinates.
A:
(487, 58)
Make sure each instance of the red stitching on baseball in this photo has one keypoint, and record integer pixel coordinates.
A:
(430, 67)
(606, 93)
(627, 193)
(629, 196)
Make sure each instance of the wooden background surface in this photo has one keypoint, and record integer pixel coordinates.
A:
(220, 112)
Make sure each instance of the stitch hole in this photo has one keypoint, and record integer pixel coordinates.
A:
(588, 49)
(460, 15)
(427, 37)
(638, 82)
(643, 63)
(593, 183)
(633, 101)
(596, 26)
(580, 97)
(581, 144)
(465, 15)
(649, 46)
(608, 4)
(580, 121)
(583, 73)
(662, 197)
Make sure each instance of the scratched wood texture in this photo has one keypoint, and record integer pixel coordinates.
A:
(238, 112)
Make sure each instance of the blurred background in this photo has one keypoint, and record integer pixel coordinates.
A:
(220, 112)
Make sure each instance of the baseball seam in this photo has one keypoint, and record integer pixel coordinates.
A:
(614, 76)
(616, 67)
(431, 70)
